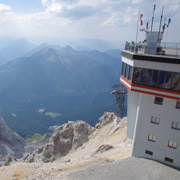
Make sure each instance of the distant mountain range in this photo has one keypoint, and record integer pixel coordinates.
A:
(60, 80)
(14, 49)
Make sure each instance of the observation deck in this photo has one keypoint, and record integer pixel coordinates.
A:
(152, 67)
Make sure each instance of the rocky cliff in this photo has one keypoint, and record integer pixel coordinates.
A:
(65, 138)
(74, 146)
(10, 141)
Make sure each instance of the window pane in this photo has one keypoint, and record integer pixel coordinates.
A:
(148, 77)
(153, 119)
(178, 104)
(150, 137)
(122, 71)
(154, 138)
(157, 120)
(174, 125)
(175, 144)
(126, 71)
(178, 125)
(168, 79)
(161, 79)
(130, 73)
(175, 82)
(142, 76)
(155, 78)
(158, 100)
(170, 143)
(136, 75)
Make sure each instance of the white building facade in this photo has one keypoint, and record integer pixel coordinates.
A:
(153, 82)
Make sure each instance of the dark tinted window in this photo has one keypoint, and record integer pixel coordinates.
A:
(136, 75)
(155, 78)
(148, 77)
(122, 70)
(161, 79)
(167, 84)
(175, 81)
(158, 100)
(126, 71)
(130, 73)
(142, 76)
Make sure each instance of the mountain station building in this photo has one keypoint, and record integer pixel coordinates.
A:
(151, 72)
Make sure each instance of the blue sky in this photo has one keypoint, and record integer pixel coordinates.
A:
(111, 20)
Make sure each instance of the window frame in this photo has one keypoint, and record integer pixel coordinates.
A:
(168, 159)
(149, 152)
(151, 139)
(155, 122)
(177, 105)
(172, 146)
(172, 127)
(158, 102)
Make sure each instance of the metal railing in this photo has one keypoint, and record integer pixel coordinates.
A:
(166, 49)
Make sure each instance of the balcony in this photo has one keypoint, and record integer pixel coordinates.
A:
(164, 50)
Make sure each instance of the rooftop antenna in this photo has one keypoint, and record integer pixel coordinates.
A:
(153, 17)
(164, 25)
(160, 22)
(120, 91)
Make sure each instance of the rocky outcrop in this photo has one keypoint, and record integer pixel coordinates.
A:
(67, 137)
(102, 148)
(107, 118)
(36, 144)
(10, 141)
(7, 160)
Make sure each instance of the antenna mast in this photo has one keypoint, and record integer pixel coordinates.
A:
(160, 22)
(153, 17)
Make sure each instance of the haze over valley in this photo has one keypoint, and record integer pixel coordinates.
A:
(48, 85)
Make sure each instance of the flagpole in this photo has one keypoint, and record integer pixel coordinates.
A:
(137, 27)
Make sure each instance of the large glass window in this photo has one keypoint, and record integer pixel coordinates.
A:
(136, 75)
(155, 78)
(148, 77)
(126, 71)
(162, 75)
(130, 73)
(122, 70)
(175, 81)
(167, 83)
(142, 76)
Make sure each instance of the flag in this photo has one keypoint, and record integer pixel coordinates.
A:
(141, 22)
(168, 22)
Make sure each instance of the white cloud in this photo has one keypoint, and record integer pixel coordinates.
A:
(86, 18)
(137, 1)
(4, 8)
(45, 3)
(55, 8)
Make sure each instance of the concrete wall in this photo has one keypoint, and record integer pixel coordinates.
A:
(133, 98)
(163, 132)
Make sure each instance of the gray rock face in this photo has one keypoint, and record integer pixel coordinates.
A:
(67, 137)
(107, 118)
(10, 141)
(34, 145)
(7, 160)
(102, 148)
